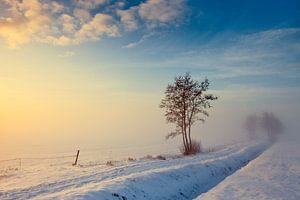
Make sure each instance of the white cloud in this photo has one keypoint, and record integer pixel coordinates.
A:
(89, 4)
(52, 22)
(59, 40)
(82, 15)
(25, 20)
(41, 21)
(68, 23)
(129, 18)
(160, 12)
(101, 24)
(120, 4)
(153, 13)
(54, 7)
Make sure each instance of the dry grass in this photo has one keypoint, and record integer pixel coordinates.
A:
(195, 148)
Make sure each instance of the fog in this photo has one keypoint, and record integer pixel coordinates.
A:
(131, 120)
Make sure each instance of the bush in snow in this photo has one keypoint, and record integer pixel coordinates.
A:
(194, 148)
(160, 157)
(131, 159)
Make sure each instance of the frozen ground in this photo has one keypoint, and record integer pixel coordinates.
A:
(274, 175)
(176, 178)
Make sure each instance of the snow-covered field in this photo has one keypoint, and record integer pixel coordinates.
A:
(274, 175)
(174, 178)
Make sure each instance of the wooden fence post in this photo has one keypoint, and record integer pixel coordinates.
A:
(75, 163)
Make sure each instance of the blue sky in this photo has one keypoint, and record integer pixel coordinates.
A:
(193, 36)
(233, 42)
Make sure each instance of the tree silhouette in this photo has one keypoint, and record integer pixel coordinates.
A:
(185, 103)
(251, 125)
(272, 125)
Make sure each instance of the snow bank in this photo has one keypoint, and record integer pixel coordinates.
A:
(183, 178)
(273, 175)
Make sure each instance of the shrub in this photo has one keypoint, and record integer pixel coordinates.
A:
(109, 163)
(148, 157)
(160, 157)
(131, 159)
(194, 148)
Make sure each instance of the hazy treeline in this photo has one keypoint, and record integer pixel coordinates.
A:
(266, 124)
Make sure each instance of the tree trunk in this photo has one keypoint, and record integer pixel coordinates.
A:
(184, 127)
(190, 124)
(183, 139)
(190, 140)
(186, 139)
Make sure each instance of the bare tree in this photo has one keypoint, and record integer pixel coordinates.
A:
(272, 125)
(184, 101)
(251, 125)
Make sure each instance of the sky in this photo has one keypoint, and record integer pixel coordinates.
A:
(77, 73)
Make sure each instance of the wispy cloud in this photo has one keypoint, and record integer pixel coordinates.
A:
(267, 52)
(140, 41)
(67, 54)
(250, 95)
(59, 24)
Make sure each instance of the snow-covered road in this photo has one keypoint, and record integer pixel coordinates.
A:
(275, 175)
(181, 178)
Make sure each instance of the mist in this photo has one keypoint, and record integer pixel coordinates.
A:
(133, 120)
